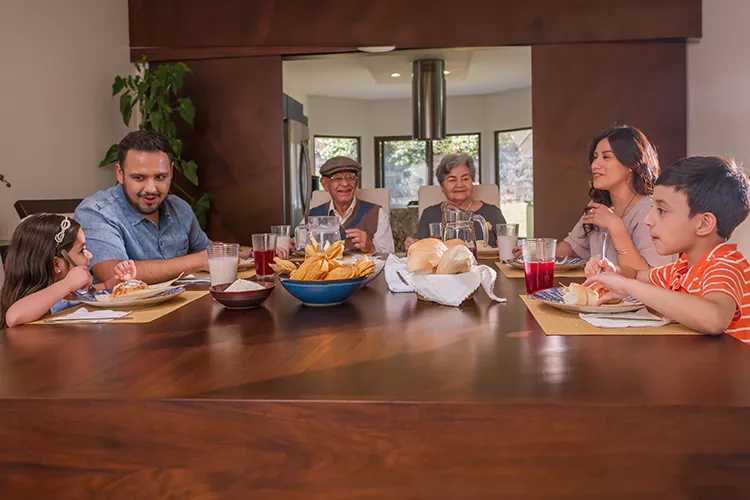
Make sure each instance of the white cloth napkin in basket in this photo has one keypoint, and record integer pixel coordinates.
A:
(445, 289)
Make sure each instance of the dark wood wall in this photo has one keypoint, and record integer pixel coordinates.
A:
(578, 87)
(579, 90)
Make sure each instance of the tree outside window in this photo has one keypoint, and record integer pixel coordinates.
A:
(326, 147)
(515, 177)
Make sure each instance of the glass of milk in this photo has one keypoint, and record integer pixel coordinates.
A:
(507, 239)
(223, 259)
(283, 235)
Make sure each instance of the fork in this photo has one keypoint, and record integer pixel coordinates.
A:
(91, 290)
(604, 251)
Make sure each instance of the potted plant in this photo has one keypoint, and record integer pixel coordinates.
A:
(153, 92)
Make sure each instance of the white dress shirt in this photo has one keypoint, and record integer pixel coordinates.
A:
(383, 237)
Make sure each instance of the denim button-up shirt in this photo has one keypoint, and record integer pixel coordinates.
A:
(114, 230)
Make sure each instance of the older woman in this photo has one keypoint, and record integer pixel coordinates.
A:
(456, 177)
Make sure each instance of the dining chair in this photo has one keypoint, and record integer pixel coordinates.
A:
(24, 208)
(432, 195)
(379, 196)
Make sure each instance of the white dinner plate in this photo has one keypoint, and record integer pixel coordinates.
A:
(246, 264)
(128, 302)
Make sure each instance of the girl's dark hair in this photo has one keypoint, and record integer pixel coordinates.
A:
(631, 148)
(29, 263)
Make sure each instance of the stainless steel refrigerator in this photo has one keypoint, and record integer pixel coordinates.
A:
(298, 166)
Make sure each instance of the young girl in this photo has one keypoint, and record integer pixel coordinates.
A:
(38, 277)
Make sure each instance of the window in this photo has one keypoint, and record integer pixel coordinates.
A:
(515, 177)
(404, 165)
(326, 147)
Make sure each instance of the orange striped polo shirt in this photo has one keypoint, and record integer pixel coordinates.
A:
(724, 270)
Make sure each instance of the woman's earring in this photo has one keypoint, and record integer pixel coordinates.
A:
(57, 270)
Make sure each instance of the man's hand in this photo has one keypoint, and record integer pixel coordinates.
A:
(360, 240)
(617, 285)
(598, 263)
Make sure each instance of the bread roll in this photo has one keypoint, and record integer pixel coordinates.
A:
(454, 242)
(579, 295)
(458, 259)
(424, 255)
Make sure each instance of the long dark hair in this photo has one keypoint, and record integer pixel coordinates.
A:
(30, 261)
(631, 148)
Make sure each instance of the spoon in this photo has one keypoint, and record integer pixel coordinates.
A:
(604, 251)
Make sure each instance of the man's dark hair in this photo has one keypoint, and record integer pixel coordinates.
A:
(143, 140)
(712, 184)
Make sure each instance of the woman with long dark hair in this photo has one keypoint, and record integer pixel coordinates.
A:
(624, 167)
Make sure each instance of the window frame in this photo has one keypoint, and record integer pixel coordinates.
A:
(429, 156)
(328, 136)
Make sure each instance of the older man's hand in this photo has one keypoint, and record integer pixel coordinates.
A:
(360, 240)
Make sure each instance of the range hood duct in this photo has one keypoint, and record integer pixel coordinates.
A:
(428, 99)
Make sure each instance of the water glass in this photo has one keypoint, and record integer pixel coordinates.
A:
(507, 239)
(283, 235)
(223, 259)
(264, 250)
(539, 263)
(436, 230)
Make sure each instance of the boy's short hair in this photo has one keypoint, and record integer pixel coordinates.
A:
(712, 184)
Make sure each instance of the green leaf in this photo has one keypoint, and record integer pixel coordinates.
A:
(201, 207)
(190, 171)
(110, 157)
(118, 85)
(187, 110)
(157, 121)
(176, 146)
(126, 108)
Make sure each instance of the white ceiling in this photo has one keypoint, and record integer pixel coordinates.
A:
(368, 76)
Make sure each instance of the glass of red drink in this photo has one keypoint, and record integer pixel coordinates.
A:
(539, 263)
(264, 250)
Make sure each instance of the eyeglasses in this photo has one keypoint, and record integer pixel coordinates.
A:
(344, 177)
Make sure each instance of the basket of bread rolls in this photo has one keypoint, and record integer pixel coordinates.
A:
(433, 256)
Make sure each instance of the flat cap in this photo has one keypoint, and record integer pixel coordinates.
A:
(340, 164)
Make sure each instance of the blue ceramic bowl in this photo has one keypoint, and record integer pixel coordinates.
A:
(321, 293)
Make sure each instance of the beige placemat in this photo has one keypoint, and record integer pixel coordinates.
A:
(556, 322)
(145, 315)
(512, 272)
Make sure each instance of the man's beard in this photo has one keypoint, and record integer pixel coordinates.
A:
(137, 206)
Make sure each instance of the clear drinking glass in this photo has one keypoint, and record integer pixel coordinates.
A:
(264, 250)
(223, 259)
(507, 239)
(283, 235)
(539, 263)
(436, 230)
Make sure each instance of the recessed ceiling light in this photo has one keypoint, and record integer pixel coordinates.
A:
(446, 72)
(395, 75)
(386, 48)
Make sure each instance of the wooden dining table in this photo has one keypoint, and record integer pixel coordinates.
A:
(383, 397)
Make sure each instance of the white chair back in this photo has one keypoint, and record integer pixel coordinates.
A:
(379, 196)
(432, 195)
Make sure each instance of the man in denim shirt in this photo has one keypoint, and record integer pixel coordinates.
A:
(138, 220)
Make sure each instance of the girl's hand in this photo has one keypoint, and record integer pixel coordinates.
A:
(597, 264)
(600, 215)
(125, 270)
(517, 253)
(77, 278)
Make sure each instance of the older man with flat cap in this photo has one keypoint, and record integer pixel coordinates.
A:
(365, 226)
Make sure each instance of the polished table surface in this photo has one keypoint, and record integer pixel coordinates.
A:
(383, 396)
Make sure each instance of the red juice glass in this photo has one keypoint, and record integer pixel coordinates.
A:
(539, 263)
(264, 250)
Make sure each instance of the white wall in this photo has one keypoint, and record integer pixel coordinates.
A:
(376, 118)
(719, 89)
(57, 116)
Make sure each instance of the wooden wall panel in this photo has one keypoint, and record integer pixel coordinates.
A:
(237, 143)
(579, 90)
(405, 24)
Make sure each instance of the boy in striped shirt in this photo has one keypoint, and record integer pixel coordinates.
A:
(697, 204)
